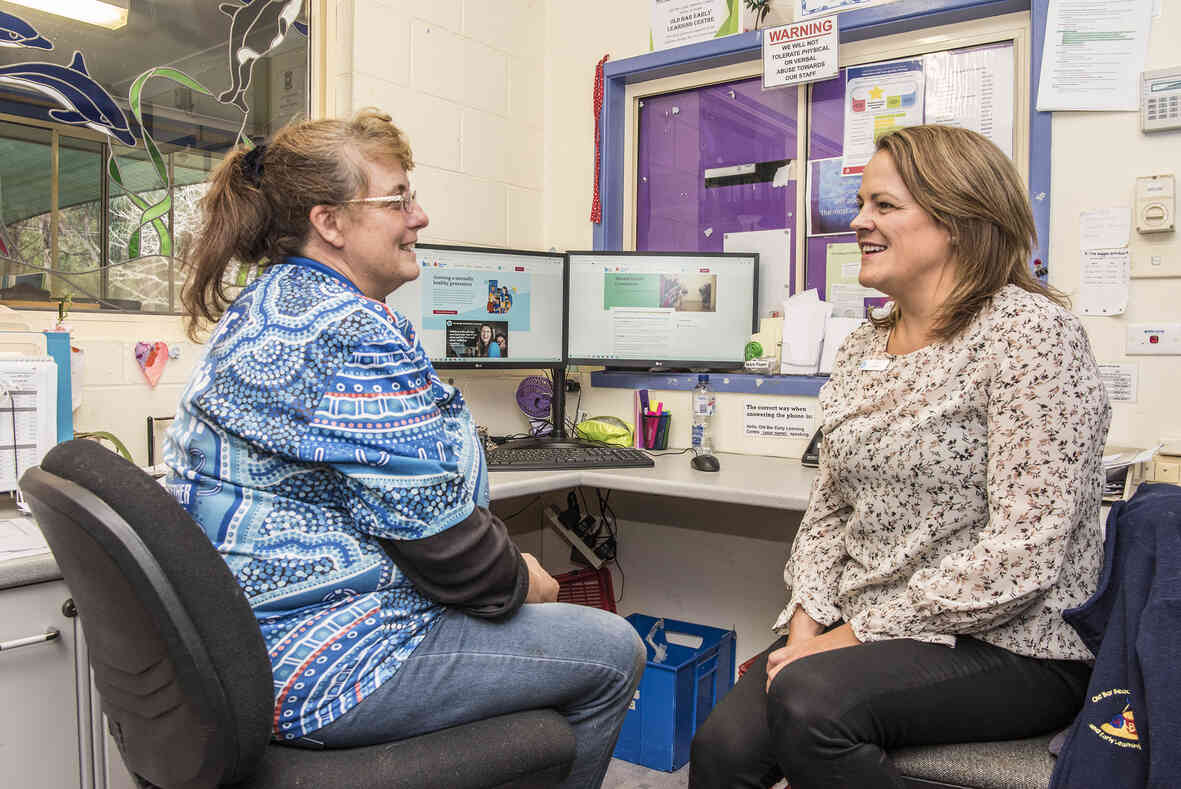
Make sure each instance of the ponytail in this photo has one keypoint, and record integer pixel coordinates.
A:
(235, 217)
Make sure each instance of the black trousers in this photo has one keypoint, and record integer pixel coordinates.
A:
(830, 718)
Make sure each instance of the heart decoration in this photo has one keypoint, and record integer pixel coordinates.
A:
(151, 358)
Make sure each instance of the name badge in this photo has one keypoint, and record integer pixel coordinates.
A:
(876, 365)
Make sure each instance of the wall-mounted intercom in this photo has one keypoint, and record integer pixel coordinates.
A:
(1156, 203)
(1160, 99)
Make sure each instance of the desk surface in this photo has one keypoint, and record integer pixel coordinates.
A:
(778, 483)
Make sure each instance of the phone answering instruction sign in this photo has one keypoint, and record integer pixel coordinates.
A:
(800, 52)
(777, 420)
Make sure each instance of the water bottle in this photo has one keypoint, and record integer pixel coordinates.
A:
(702, 440)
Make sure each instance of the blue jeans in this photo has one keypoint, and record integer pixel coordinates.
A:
(581, 661)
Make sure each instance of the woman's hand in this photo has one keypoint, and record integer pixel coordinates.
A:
(796, 648)
(542, 586)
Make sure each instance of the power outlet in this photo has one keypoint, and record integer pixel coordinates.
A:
(1153, 339)
(583, 415)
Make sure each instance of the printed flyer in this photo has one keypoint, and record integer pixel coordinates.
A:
(677, 22)
(879, 99)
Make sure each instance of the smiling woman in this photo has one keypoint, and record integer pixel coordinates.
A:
(354, 476)
(956, 502)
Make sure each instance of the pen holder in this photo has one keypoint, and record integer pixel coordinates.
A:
(654, 434)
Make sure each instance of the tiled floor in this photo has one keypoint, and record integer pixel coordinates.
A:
(625, 775)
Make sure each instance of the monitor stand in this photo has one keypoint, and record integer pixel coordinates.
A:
(558, 438)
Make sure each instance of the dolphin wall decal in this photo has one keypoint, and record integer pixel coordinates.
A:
(251, 38)
(16, 32)
(84, 102)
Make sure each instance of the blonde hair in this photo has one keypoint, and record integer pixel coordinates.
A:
(971, 189)
(258, 203)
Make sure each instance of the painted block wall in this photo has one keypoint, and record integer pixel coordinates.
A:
(115, 395)
(464, 79)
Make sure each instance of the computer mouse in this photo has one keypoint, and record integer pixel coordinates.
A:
(705, 463)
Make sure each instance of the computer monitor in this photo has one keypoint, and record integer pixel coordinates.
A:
(487, 308)
(661, 309)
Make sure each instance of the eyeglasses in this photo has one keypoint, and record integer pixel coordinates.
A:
(403, 202)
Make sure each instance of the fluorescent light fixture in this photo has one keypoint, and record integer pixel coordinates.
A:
(111, 14)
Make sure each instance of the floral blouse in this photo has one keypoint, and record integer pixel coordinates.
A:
(959, 485)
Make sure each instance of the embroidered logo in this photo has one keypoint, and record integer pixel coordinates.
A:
(1120, 728)
(1122, 725)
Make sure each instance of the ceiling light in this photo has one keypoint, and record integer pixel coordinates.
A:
(111, 14)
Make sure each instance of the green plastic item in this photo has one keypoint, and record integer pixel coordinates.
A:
(606, 429)
(754, 350)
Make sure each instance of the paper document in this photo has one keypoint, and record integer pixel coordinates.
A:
(774, 249)
(1093, 55)
(1103, 281)
(20, 537)
(28, 415)
(1120, 381)
(973, 89)
(1105, 228)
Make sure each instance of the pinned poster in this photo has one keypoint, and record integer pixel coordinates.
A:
(879, 98)
(806, 8)
(1103, 281)
(677, 22)
(973, 89)
(848, 297)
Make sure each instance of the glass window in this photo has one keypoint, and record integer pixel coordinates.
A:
(78, 271)
(26, 173)
(104, 188)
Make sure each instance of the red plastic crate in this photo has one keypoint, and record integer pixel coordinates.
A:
(587, 587)
(746, 664)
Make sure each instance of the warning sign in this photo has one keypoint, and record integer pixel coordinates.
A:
(800, 52)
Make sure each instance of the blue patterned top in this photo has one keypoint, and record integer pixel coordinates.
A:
(314, 424)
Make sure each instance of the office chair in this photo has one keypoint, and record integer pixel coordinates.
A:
(181, 666)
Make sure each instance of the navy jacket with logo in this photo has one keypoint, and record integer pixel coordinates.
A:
(1133, 625)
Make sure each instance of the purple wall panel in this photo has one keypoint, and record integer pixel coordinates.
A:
(827, 138)
(684, 134)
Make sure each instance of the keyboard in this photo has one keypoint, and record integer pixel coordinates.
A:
(551, 458)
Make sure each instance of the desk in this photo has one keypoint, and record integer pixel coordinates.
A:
(778, 483)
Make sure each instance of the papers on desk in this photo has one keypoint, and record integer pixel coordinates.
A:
(20, 537)
(804, 317)
(1121, 470)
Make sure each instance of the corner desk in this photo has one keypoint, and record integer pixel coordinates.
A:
(776, 483)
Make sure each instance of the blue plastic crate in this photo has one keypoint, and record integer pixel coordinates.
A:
(676, 695)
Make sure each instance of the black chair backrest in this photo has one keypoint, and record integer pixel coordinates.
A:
(177, 654)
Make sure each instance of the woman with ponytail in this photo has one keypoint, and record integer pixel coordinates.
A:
(343, 481)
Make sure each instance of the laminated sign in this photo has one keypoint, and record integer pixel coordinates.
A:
(800, 52)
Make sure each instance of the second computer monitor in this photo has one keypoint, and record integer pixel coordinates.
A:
(657, 309)
(478, 307)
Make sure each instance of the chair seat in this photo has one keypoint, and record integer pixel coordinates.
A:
(1006, 764)
(525, 749)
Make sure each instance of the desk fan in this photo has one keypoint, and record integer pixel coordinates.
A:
(534, 396)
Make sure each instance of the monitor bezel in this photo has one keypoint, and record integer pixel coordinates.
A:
(509, 365)
(663, 364)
